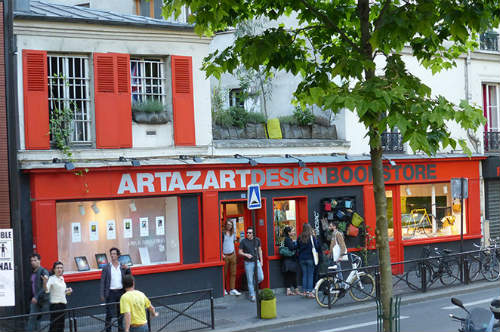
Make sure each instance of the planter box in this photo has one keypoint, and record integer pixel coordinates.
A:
(319, 131)
(268, 309)
(150, 117)
(251, 131)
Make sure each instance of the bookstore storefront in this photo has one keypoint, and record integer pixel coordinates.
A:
(167, 220)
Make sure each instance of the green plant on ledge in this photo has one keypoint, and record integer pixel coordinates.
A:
(304, 116)
(149, 105)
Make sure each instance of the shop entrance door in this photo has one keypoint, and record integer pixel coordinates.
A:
(237, 212)
(394, 227)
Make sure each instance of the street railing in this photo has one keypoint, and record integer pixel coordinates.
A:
(178, 312)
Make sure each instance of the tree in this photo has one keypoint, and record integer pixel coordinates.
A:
(334, 47)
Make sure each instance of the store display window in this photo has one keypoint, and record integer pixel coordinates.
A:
(144, 229)
(427, 210)
(285, 214)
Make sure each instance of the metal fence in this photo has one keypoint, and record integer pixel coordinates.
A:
(420, 275)
(178, 312)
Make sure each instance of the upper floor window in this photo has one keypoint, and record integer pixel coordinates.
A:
(489, 41)
(235, 98)
(490, 99)
(147, 79)
(153, 9)
(68, 78)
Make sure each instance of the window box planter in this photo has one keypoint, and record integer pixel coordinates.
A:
(150, 117)
(251, 131)
(313, 131)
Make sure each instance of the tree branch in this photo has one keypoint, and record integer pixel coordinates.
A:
(331, 24)
(381, 16)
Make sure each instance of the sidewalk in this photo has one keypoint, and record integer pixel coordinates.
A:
(236, 313)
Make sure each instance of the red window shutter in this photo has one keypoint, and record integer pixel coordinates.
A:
(36, 100)
(183, 104)
(113, 110)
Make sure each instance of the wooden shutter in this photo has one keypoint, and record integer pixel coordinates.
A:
(113, 108)
(183, 104)
(36, 100)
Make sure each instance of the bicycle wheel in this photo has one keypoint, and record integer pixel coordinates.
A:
(414, 277)
(490, 268)
(321, 292)
(474, 268)
(450, 272)
(362, 288)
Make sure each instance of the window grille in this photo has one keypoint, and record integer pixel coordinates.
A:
(69, 88)
(148, 80)
(489, 41)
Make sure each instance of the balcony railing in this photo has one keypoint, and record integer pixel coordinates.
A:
(489, 41)
(492, 141)
(392, 143)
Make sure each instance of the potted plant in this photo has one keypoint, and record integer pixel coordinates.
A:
(267, 303)
(149, 111)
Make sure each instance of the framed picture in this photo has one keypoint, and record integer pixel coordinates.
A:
(81, 263)
(125, 260)
(101, 259)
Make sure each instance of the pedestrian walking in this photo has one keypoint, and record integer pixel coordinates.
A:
(289, 265)
(133, 305)
(251, 251)
(112, 288)
(338, 252)
(230, 260)
(57, 290)
(39, 301)
(307, 247)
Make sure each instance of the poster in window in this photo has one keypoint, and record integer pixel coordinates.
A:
(144, 226)
(111, 229)
(160, 225)
(76, 232)
(93, 231)
(127, 228)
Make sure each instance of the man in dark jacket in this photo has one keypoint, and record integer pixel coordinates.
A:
(39, 300)
(112, 287)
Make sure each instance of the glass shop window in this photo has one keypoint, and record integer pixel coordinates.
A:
(146, 230)
(427, 210)
(285, 214)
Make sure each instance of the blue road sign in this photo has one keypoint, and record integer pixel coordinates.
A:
(253, 197)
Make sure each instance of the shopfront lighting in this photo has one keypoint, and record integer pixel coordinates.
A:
(95, 208)
(251, 161)
(69, 166)
(132, 206)
(300, 161)
(133, 161)
(196, 159)
(82, 209)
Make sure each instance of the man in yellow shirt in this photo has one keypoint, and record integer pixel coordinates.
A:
(133, 305)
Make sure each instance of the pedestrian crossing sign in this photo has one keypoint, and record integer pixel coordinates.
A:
(253, 197)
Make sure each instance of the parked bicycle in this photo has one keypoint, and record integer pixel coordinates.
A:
(485, 262)
(359, 284)
(442, 267)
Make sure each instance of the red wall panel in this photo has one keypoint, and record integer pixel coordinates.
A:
(36, 102)
(211, 229)
(45, 230)
(183, 103)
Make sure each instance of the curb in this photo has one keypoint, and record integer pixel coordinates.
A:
(258, 325)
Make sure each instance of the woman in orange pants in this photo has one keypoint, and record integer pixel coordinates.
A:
(229, 255)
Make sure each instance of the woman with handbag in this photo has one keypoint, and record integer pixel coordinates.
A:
(307, 247)
(338, 251)
(289, 264)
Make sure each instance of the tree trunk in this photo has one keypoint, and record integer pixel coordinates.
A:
(382, 240)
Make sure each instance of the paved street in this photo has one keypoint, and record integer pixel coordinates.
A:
(430, 315)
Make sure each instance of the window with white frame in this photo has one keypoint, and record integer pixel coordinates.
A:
(148, 80)
(235, 98)
(491, 101)
(69, 89)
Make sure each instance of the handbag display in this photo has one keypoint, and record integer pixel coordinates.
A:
(314, 252)
(356, 219)
(328, 206)
(352, 230)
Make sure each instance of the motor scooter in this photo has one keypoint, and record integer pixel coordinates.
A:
(476, 320)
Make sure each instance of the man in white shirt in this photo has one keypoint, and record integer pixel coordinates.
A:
(112, 288)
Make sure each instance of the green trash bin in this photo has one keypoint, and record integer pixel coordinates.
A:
(394, 315)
